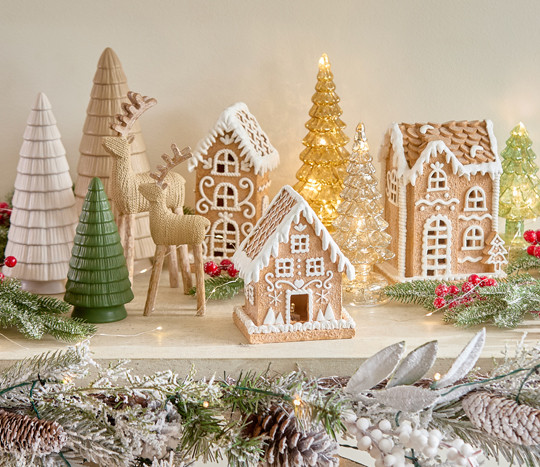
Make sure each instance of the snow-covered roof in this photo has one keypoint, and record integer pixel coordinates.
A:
(470, 147)
(272, 229)
(252, 140)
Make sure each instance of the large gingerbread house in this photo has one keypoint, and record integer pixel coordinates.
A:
(442, 199)
(292, 271)
(232, 165)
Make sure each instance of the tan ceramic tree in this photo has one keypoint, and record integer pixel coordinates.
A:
(109, 92)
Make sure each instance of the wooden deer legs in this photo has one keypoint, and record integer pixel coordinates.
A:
(185, 268)
(199, 276)
(174, 278)
(128, 227)
(154, 279)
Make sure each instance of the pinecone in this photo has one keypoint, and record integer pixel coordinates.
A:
(21, 433)
(503, 418)
(286, 445)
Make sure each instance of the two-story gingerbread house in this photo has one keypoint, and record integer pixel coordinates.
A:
(292, 271)
(232, 165)
(442, 200)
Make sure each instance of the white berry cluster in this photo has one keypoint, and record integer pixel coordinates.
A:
(394, 447)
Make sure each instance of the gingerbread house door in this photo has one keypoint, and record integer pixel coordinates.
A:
(436, 244)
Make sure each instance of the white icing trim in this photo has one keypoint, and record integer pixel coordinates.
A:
(250, 268)
(482, 199)
(470, 259)
(284, 264)
(434, 178)
(432, 149)
(270, 317)
(448, 236)
(402, 228)
(329, 313)
(249, 292)
(317, 270)
(288, 294)
(495, 203)
(474, 149)
(229, 122)
(300, 227)
(497, 242)
(425, 128)
(392, 187)
(217, 244)
(227, 206)
(446, 202)
(264, 186)
(346, 322)
(475, 238)
(299, 243)
(475, 217)
(226, 163)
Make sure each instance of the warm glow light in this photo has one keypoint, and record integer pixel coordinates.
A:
(205, 404)
(297, 401)
(436, 376)
(159, 328)
(521, 131)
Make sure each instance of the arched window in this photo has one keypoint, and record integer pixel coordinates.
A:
(226, 197)
(437, 178)
(475, 199)
(436, 254)
(225, 163)
(473, 238)
(392, 187)
(224, 238)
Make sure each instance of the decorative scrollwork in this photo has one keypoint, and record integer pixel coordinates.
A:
(249, 212)
(204, 204)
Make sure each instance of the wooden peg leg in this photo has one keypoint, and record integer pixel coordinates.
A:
(122, 230)
(185, 268)
(130, 244)
(199, 277)
(154, 279)
(174, 278)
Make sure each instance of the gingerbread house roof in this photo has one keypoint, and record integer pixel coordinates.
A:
(470, 147)
(273, 228)
(252, 140)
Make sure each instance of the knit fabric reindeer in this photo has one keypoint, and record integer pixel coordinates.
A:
(125, 182)
(172, 229)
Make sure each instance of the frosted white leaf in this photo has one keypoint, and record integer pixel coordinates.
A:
(406, 398)
(415, 365)
(465, 361)
(375, 369)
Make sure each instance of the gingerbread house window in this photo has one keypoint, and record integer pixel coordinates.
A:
(436, 245)
(250, 294)
(392, 186)
(284, 267)
(314, 267)
(224, 238)
(475, 199)
(299, 243)
(437, 180)
(473, 238)
(226, 197)
(225, 163)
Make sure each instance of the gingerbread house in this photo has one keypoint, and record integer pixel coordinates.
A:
(442, 200)
(232, 165)
(292, 271)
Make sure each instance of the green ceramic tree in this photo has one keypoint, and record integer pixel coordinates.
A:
(98, 284)
(519, 195)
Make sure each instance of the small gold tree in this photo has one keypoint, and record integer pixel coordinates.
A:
(320, 179)
(359, 226)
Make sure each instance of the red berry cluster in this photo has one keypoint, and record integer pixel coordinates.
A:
(453, 296)
(5, 213)
(9, 262)
(225, 265)
(533, 238)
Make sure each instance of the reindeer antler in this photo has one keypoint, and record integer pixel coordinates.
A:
(179, 156)
(132, 111)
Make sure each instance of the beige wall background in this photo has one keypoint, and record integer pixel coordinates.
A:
(392, 60)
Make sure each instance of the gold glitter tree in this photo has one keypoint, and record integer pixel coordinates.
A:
(359, 226)
(320, 179)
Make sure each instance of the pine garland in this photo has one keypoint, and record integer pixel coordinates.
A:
(221, 287)
(34, 315)
(506, 305)
(523, 262)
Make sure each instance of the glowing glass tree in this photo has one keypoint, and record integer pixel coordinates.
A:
(320, 179)
(360, 227)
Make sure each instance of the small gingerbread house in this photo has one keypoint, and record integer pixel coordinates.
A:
(292, 271)
(232, 165)
(442, 200)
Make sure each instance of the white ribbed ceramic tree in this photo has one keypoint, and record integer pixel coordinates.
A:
(108, 94)
(44, 215)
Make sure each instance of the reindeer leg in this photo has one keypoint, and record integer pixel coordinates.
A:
(199, 275)
(154, 279)
(174, 278)
(122, 230)
(130, 244)
(185, 268)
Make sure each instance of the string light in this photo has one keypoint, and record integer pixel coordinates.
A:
(13, 342)
(159, 328)
(205, 404)
(436, 377)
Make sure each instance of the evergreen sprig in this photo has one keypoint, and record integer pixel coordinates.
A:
(523, 262)
(34, 315)
(221, 287)
(506, 305)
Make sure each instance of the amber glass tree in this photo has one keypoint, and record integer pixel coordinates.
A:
(360, 227)
(320, 179)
